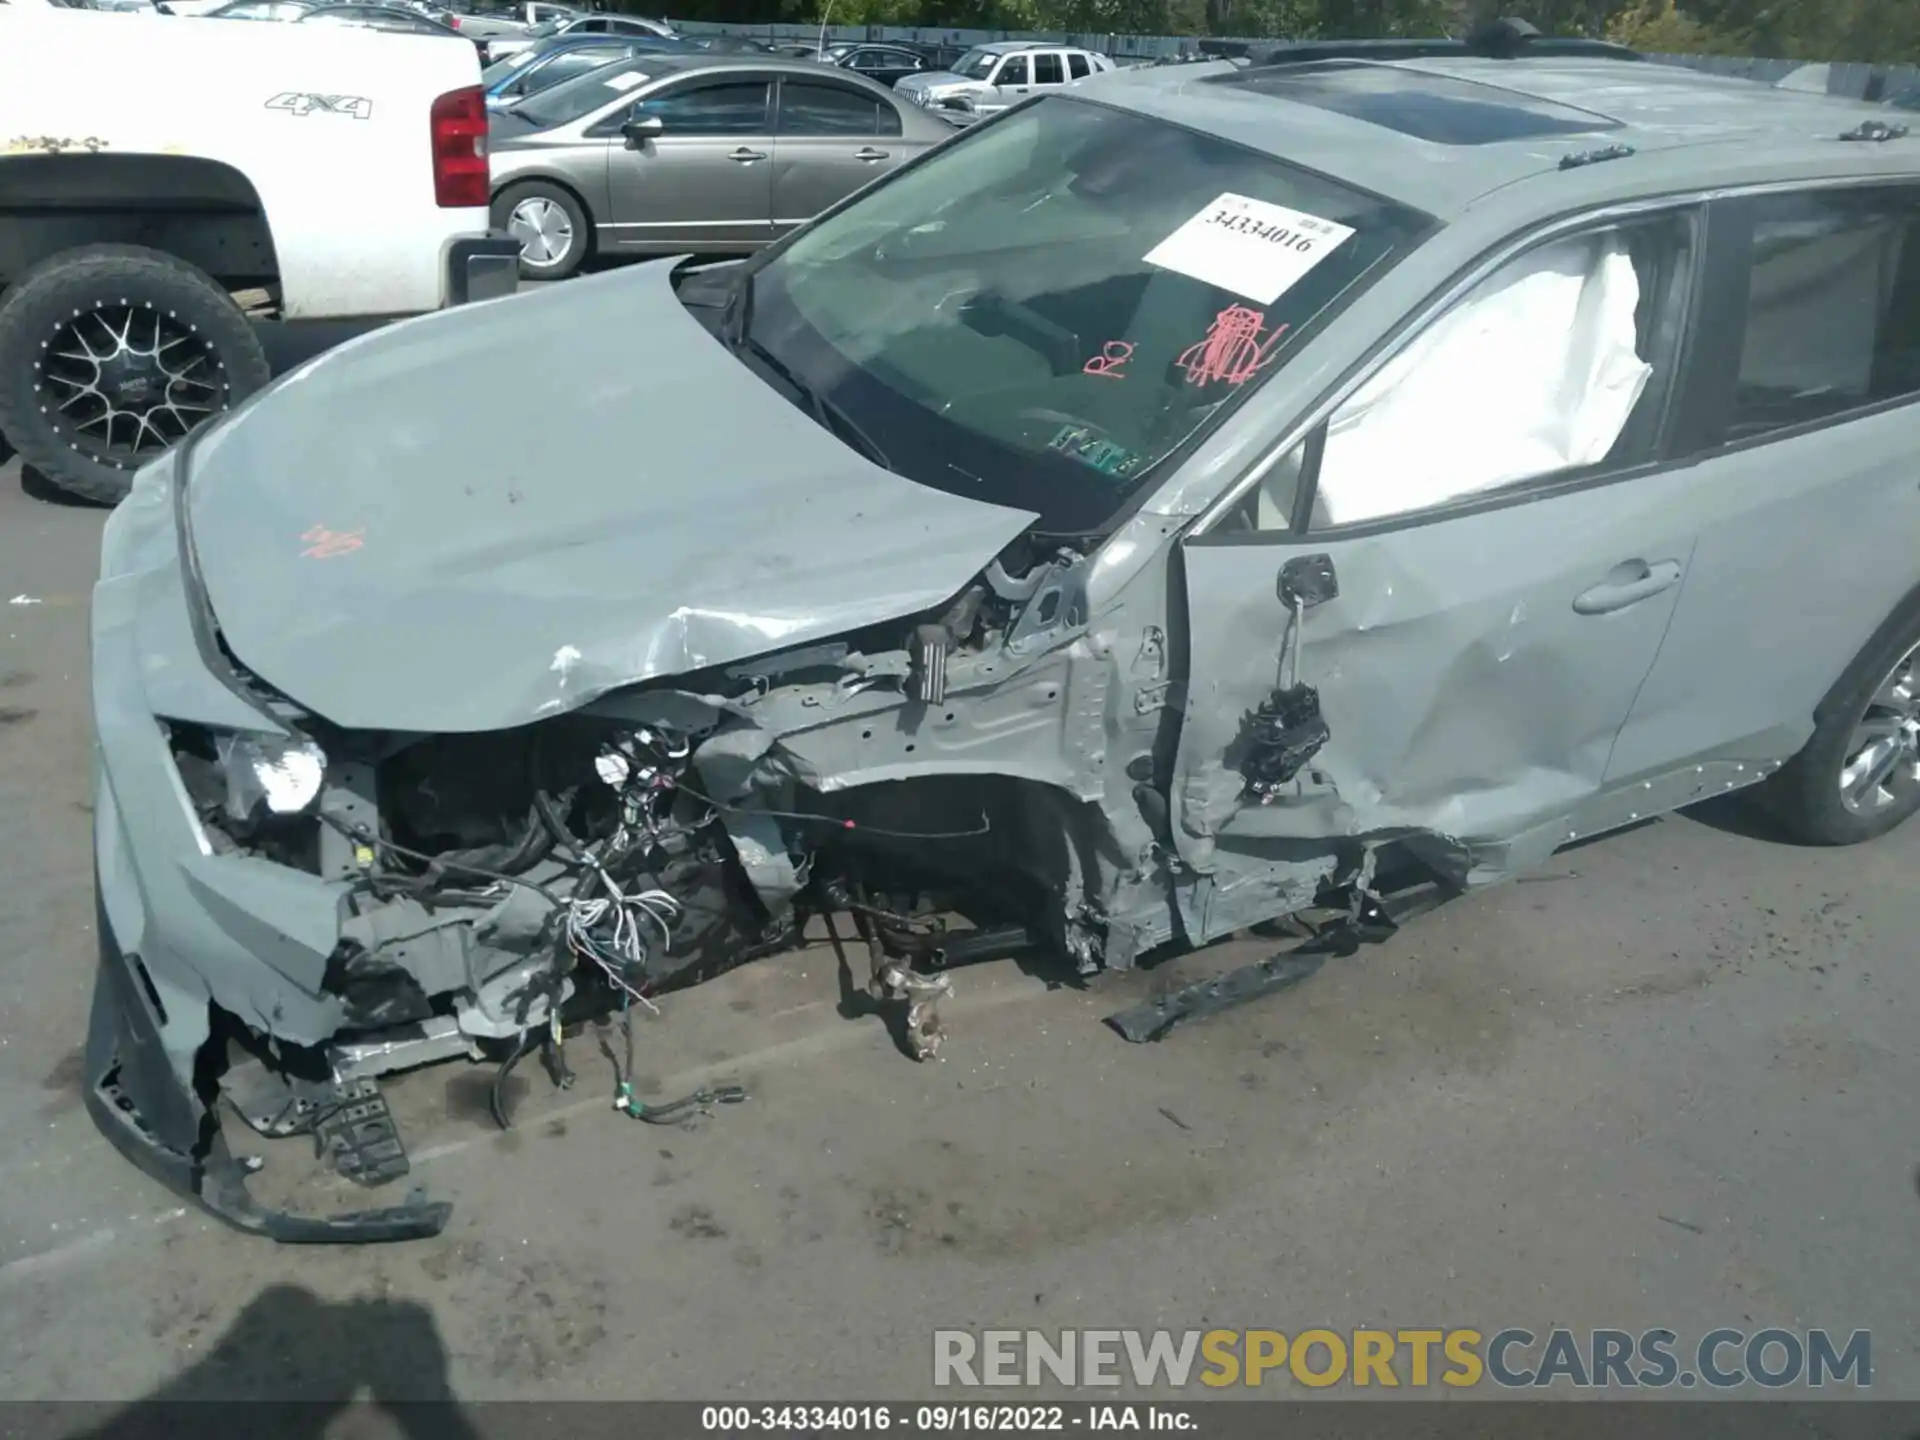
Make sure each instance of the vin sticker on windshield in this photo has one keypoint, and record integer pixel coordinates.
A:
(626, 81)
(1250, 247)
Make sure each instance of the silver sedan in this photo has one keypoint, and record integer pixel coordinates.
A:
(664, 155)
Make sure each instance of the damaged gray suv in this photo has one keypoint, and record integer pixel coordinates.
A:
(1224, 494)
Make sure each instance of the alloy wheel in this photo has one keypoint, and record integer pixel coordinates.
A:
(1884, 750)
(125, 381)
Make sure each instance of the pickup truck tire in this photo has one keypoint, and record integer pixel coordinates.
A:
(109, 354)
(551, 225)
(1858, 776)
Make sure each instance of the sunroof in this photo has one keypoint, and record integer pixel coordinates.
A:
(1439, 108)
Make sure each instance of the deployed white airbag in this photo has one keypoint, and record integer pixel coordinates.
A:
(1534, 372)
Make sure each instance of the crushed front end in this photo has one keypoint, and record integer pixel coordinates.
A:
(292, 908)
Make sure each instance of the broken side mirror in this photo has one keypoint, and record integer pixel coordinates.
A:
(1307, 581)
(641, 129)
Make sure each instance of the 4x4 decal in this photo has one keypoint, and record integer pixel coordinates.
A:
(358, 106)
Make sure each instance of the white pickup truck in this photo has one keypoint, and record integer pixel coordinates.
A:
(153, 167)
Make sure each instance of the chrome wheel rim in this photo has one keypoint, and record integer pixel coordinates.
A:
(123, 381)
(543, 229)
(1883, 754)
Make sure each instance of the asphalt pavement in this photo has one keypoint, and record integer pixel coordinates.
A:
(1669, 1082)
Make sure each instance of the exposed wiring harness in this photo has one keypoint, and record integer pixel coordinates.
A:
(615, 928)
(621, 946)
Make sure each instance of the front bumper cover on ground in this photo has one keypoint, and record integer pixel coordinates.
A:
(174, 1134)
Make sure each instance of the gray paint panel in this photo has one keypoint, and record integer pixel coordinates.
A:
(544, 498)
(1806, 546)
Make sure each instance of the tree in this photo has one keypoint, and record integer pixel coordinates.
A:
(1661, 28)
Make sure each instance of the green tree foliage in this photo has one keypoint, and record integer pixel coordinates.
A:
(1880, 31)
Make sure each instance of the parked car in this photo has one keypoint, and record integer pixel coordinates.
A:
(276, 10)
(883, 64)
(731, 45)
(934, 55)
(494, 20)
(393, 19)
(1142, 519)
(664, 154)
(528, 72)
(564, 25)
(989, 78)
(118, 330)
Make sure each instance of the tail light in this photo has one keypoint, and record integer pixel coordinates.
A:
(461, 174)
(453, 21)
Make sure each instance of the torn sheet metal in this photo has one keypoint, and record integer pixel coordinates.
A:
(472, 575)
(1461, 698)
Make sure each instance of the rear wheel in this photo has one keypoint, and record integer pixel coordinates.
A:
(1859, 775)
(550, 225)
(112, 354)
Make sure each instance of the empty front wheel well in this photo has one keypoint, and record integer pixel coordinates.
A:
(198, 210)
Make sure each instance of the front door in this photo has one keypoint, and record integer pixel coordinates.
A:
(1508, 550)
(830, 139)
(706, 177)
(1013, 83)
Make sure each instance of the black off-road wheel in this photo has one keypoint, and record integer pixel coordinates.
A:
(109, 356)
(1859, 775)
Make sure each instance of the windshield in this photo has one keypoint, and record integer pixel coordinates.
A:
(582, 95)
(1048, 307)
(975, 64)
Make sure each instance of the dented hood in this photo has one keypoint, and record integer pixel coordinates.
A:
(496, 513)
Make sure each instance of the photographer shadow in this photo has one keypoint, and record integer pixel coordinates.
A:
(295, 1364)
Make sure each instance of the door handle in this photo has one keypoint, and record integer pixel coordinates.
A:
(745, 156)
(869, 154)
(1627, 584)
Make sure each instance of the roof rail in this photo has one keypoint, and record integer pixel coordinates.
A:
(1505, 39)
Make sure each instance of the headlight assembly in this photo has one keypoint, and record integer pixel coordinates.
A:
(284, 774)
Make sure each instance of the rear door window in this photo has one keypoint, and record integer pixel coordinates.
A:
(814, 109)
(1832, 320)
(1047, 70)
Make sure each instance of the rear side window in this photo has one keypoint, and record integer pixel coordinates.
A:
(826, 110)
(1833, 307)
(1077, 63)
(1047, 71)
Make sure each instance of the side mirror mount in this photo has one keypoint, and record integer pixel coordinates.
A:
(641, 129)
(1308, 581)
